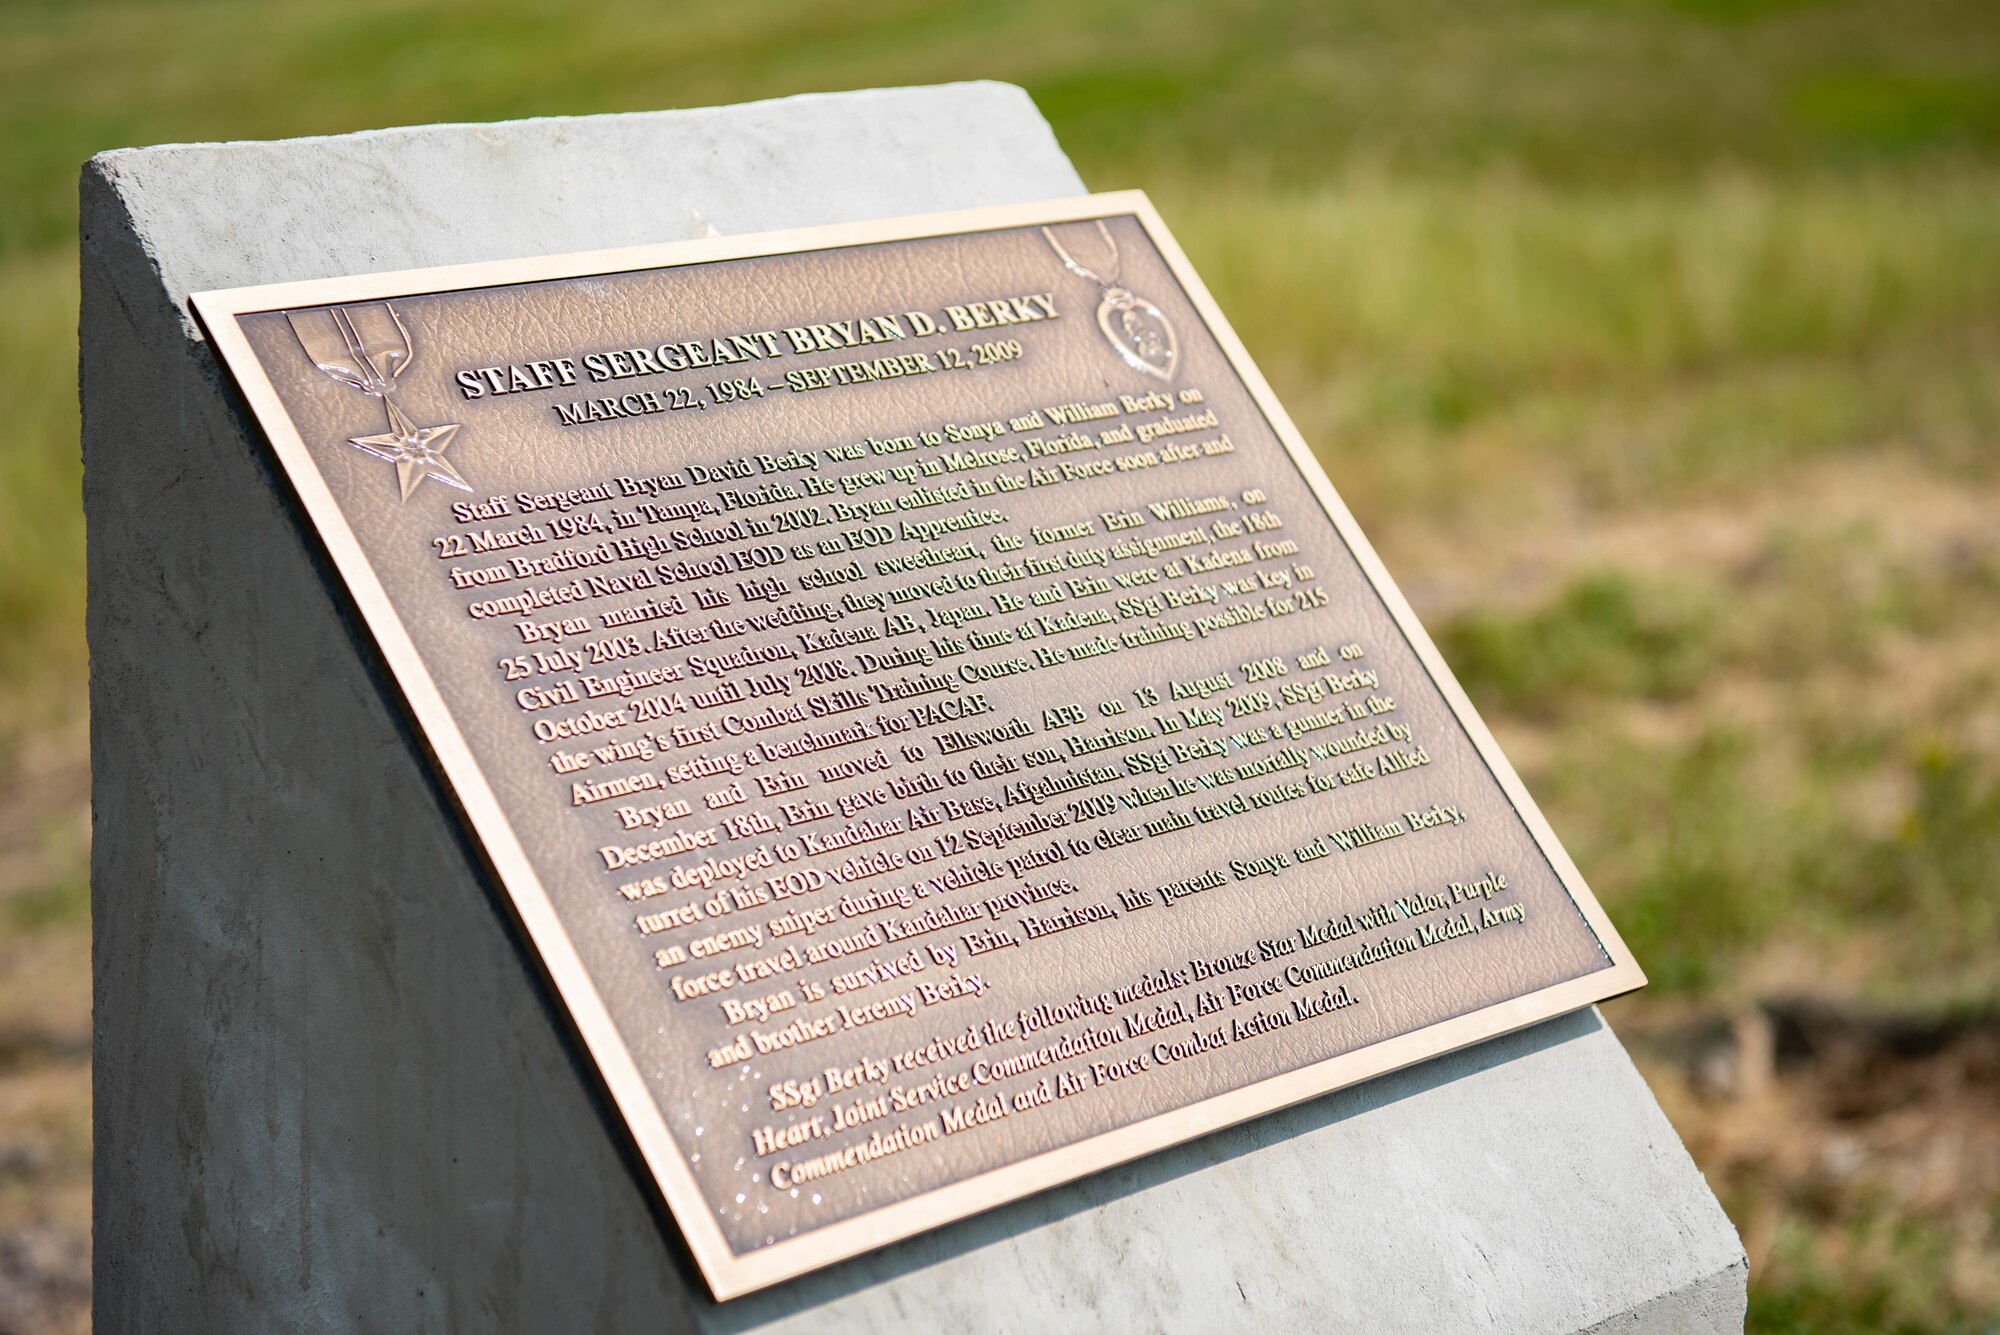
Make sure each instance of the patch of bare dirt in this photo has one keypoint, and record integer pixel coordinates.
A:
(1916, 517)
(1839, 1119)
(45, 1248)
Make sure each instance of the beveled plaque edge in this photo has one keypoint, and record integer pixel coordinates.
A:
(728, 1273)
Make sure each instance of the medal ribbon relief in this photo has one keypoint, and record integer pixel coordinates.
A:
(1137, 330)
(368, 348)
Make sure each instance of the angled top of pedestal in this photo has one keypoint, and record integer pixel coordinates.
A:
(223, 215)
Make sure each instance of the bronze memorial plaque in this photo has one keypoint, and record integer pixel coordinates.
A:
(937, 725)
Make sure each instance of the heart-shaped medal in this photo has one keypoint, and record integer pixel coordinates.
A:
(1140, 332)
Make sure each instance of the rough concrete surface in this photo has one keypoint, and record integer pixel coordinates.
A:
(330, 1095)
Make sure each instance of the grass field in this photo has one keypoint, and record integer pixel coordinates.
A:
(1656, 343)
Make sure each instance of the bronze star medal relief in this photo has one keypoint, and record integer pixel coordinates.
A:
(368, 348)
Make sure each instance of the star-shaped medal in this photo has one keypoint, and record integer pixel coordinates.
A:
(418, 453)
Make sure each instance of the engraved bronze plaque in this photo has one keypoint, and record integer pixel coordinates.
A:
(935, 722)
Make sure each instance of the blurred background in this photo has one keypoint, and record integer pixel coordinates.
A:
(1656, 344)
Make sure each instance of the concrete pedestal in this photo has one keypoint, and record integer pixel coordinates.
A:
(329, 1093)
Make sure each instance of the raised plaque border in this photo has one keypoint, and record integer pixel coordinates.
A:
(728, 1273)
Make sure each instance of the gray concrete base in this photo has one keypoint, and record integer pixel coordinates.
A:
(330, 1095)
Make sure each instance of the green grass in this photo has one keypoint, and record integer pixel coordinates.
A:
(1825, 796)
(1643, 344)
(1256, 90)
(1605, 635)
(1882, 1276)
(41, 518)
(1891, 1299)
(64, 903)
(1504, 282)
(1533, 275)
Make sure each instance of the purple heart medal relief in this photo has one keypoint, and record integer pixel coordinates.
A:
(938, 728)
(1135, 328)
